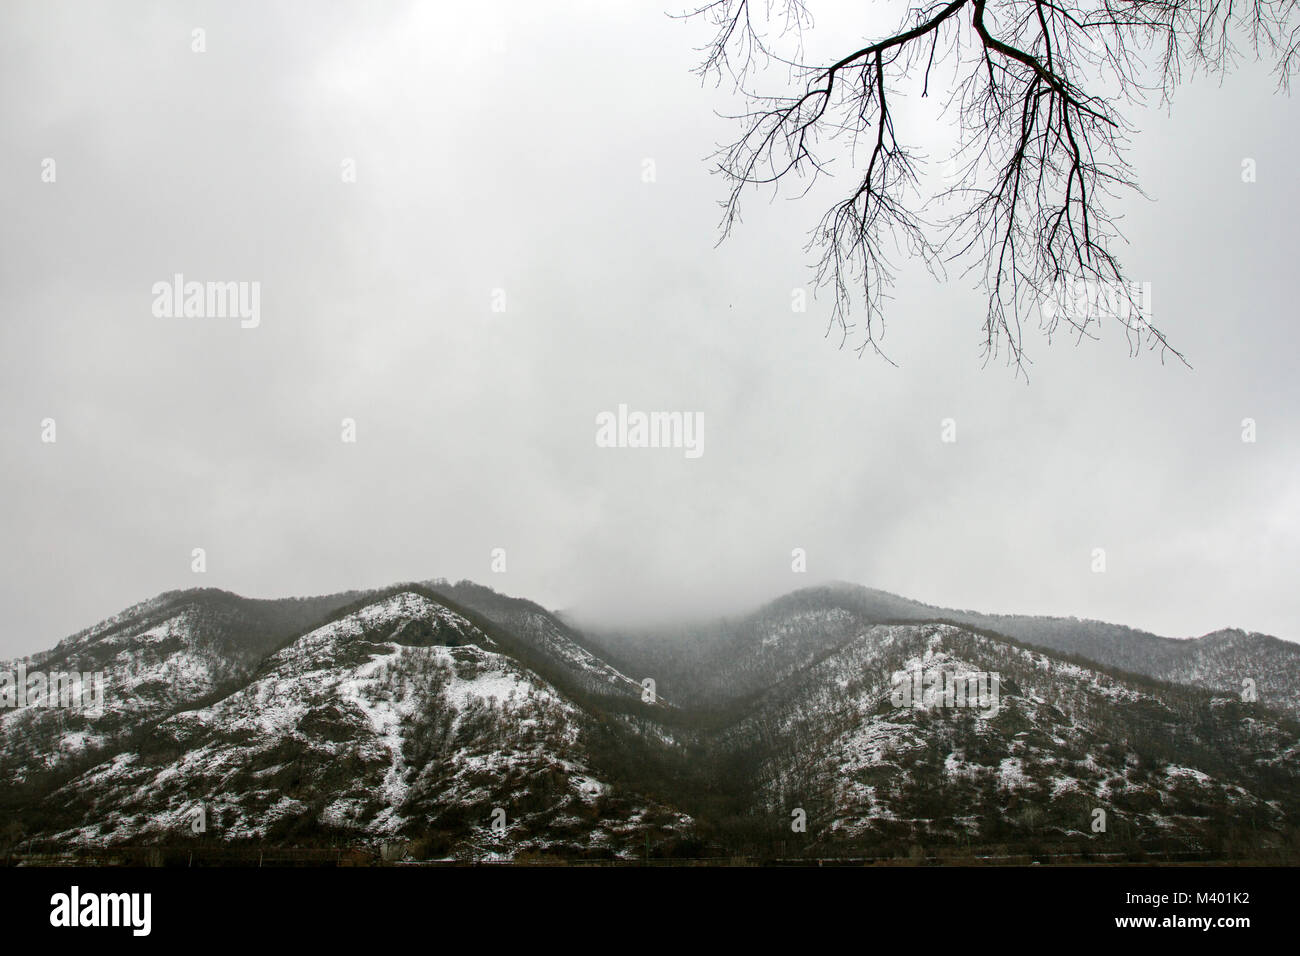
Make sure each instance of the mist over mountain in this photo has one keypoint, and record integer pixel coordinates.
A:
(449, 721)
(1219, 661)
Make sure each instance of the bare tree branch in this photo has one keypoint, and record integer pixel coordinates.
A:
(1038, 94)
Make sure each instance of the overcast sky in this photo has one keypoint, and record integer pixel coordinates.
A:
(503, 147)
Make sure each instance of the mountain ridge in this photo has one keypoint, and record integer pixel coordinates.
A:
(416, 713)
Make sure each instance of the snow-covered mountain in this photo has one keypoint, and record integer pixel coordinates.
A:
(155, 657)
(401, 719)
(456, 722)
(1173, 768)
